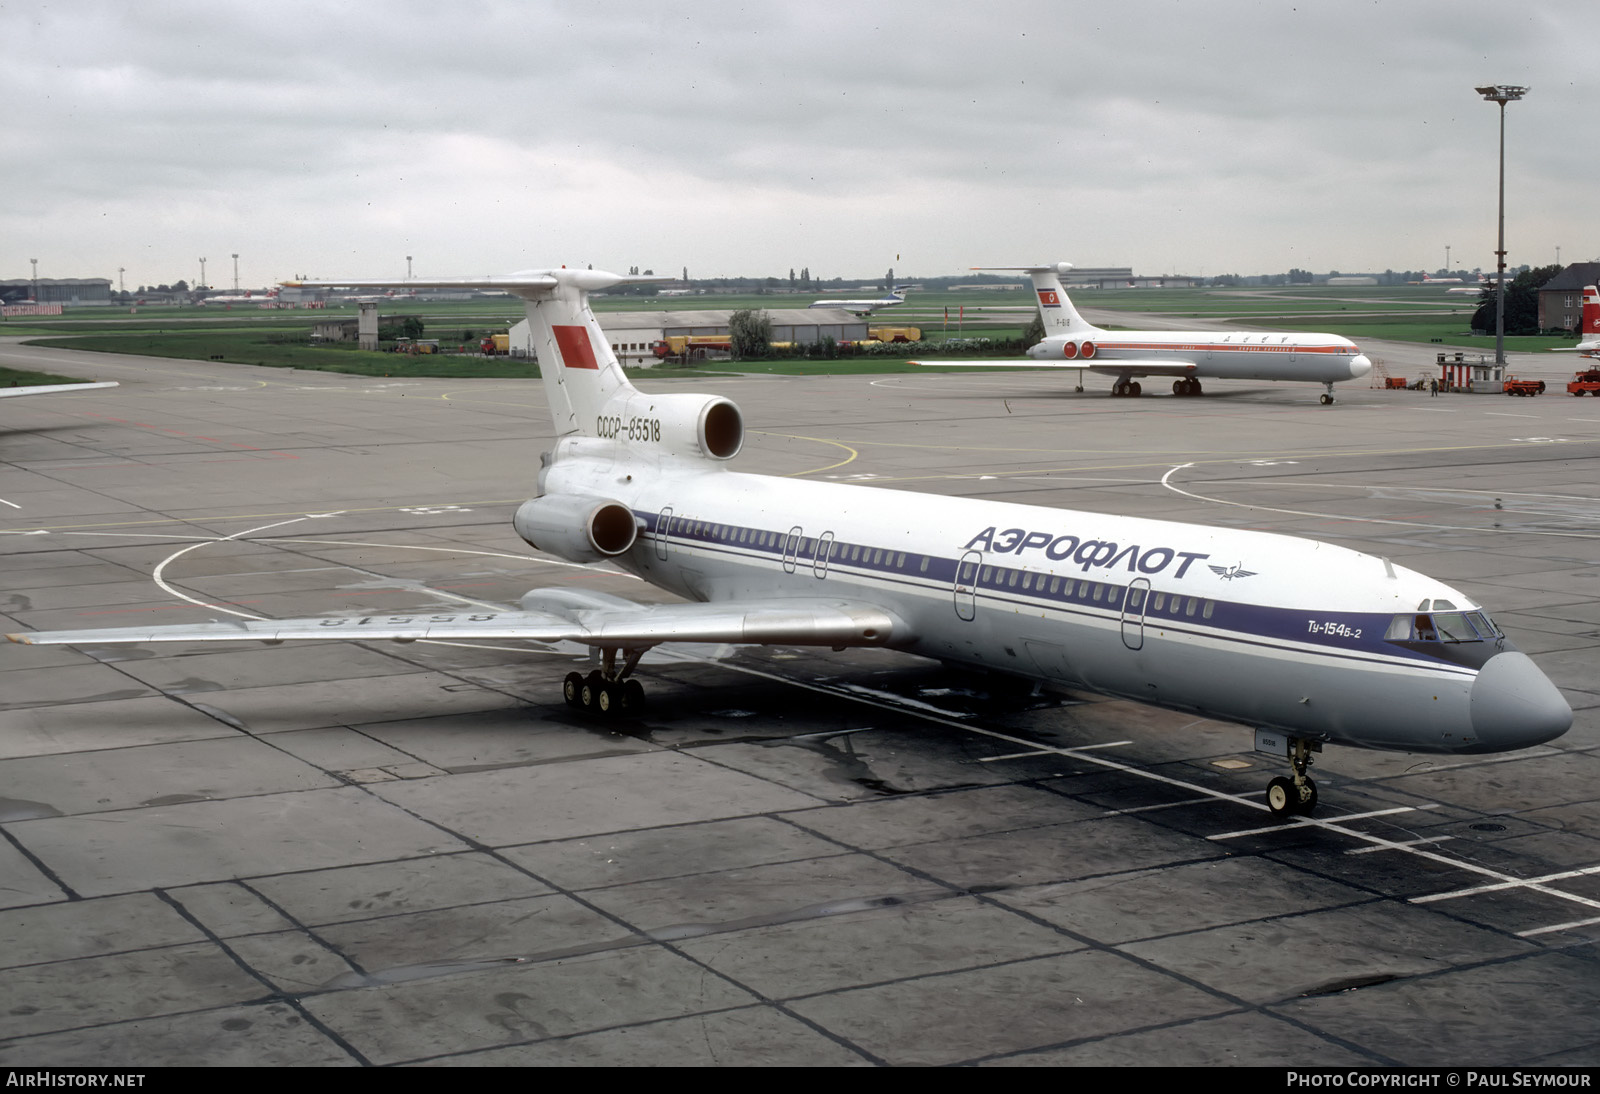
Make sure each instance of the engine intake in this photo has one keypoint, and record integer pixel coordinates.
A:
(685, 425)
(576, 528)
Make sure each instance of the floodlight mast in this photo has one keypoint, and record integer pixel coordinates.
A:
(1502, 94)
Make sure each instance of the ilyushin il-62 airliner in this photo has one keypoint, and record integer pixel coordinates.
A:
(1309, 643)
(1072, 343)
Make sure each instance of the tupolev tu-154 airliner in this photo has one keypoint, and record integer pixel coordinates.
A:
(1309, 643)
(1072, 343)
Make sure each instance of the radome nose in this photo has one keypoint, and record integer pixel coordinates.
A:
(1514, 705)
(1360, 365)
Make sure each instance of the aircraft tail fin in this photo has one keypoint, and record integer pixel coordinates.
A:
(588, 393)
(581, 373)
(1591, 312)
(1055, 308)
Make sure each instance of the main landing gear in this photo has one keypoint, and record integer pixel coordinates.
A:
(1186, 386)
(606, 691)
(1288, 797)
(1125, 388)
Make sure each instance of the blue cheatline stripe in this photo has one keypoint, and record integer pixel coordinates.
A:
(1360, 634)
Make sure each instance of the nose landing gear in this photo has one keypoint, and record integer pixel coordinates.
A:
(1289, 797)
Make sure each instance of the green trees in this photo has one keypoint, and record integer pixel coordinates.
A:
(1522, 302)
(750, 333)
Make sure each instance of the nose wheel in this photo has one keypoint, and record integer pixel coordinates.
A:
(1285, 799)
(1327, 396)
(606, 691)
(1297, 796)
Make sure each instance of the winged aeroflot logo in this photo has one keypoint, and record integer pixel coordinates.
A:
(1228, 573)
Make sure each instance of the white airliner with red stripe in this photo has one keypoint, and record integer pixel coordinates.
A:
(1590, 328)
(1072, 342)
(1307, 642)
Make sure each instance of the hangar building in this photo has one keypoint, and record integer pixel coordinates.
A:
(58, 290)
(633, 334)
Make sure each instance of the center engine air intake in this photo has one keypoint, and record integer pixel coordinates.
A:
(685, 425)
(575, 528)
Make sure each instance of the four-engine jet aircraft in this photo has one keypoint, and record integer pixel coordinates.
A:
(1072, 342)
(51, 389)
(864, 307)
(1308, 642)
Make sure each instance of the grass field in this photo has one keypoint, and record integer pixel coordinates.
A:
(1408, 313)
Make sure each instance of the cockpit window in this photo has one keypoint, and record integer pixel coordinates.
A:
(1442, 626)
(1453, 627)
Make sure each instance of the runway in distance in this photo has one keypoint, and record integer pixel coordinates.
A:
(1307, 642)
(51, 389)
(1073, 343)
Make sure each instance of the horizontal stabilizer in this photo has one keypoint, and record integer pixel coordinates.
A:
(1059, 268)
(776, 622)
(528, 284)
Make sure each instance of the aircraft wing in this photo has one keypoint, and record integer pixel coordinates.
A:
(50, 389)
(622, 624)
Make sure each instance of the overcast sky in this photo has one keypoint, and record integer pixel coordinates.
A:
(1173, 136)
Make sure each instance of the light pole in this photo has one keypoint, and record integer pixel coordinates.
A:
(202, 275)
(35, 262)
(236, 274)
(408, 267)
(1502, 94)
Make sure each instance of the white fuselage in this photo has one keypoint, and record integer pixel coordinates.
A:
(1225, 355)
(1264, 629)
